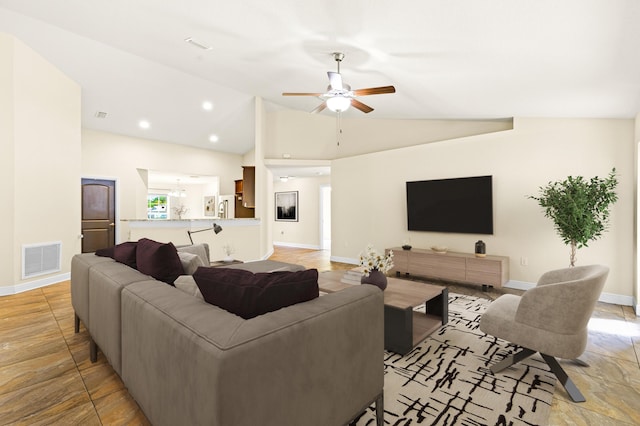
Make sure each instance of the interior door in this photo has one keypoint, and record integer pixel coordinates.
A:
(98, 214)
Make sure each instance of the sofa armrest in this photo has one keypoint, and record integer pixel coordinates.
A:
(188, 362)
(81, 264)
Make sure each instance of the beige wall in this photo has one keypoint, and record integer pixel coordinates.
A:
(7, 142)
(306, 232)
(126, 159)
(368, 194)
(263, 183)
(636, 253)
(288, 131)
(43, 143)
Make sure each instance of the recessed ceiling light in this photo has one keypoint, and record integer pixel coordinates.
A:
(214, 138)
(144, 124)
(207, 106)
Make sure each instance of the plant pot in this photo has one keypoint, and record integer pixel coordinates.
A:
(376, 278)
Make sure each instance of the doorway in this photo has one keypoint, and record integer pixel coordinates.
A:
(325, 217)
(98, 214)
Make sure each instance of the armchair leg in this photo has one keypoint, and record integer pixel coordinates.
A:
(568, 384)
(580, 362)
(512, 359)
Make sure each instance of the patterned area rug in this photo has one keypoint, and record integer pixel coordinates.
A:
(446, 379)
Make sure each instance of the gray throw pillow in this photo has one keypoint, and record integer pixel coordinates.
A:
(187, 284)
(190, 262)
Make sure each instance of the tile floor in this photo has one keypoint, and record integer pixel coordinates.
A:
(46, 376)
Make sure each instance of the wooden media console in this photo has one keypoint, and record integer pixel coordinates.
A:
(450, 266)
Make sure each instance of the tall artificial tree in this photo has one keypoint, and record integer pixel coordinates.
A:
(579, 208)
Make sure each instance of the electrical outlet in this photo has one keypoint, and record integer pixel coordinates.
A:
(524, 261)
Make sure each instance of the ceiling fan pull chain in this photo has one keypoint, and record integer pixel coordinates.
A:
(338, 128)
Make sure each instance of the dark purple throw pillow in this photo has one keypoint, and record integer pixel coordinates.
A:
(159, 260)
(126, 253)
(248, 295)
(123, 253)
(106, 252)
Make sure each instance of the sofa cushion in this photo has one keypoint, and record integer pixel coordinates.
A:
(158, 260)
(123, 253)
(265, 266)
(190, 262)
(248, 295)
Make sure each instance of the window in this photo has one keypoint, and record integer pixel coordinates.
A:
(157, 206)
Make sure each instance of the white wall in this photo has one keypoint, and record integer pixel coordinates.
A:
(368, 194)
(126, 159)
(41, 152)
(306, 232)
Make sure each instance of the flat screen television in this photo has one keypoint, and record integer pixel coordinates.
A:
(462, 205)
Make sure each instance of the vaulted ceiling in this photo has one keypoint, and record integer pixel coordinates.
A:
(447, 59)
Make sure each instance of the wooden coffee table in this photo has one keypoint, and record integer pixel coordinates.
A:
(404, 328)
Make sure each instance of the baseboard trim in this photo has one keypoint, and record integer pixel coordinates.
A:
(519, 285)
(347, 260)
(616, 299)
(296, 245)
(268, 255)
(32, 285)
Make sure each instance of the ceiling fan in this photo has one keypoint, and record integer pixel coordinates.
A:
(339, 96)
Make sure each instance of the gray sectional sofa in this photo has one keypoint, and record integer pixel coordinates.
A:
(189, 362)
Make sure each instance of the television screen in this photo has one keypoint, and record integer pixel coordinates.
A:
(463, 205)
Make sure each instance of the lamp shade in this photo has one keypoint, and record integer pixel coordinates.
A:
(338, 103)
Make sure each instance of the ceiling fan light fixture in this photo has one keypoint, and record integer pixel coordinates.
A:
(338, 103)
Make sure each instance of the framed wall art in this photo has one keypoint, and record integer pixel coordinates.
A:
(287, 206)
(210, 207)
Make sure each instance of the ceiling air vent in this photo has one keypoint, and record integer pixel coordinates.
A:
(197, 44)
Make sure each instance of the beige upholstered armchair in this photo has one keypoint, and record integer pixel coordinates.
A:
(550, 318)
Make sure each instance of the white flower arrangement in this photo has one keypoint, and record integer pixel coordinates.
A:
(371, 260)
(228, 249)
(181, 210)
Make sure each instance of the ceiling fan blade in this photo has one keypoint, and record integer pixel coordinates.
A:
(319, 108)
(302, 94)
(362, 107)
(335, 80)
(375, 91)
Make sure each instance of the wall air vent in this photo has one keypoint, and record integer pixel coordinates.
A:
(100, 114)
(40, 259)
